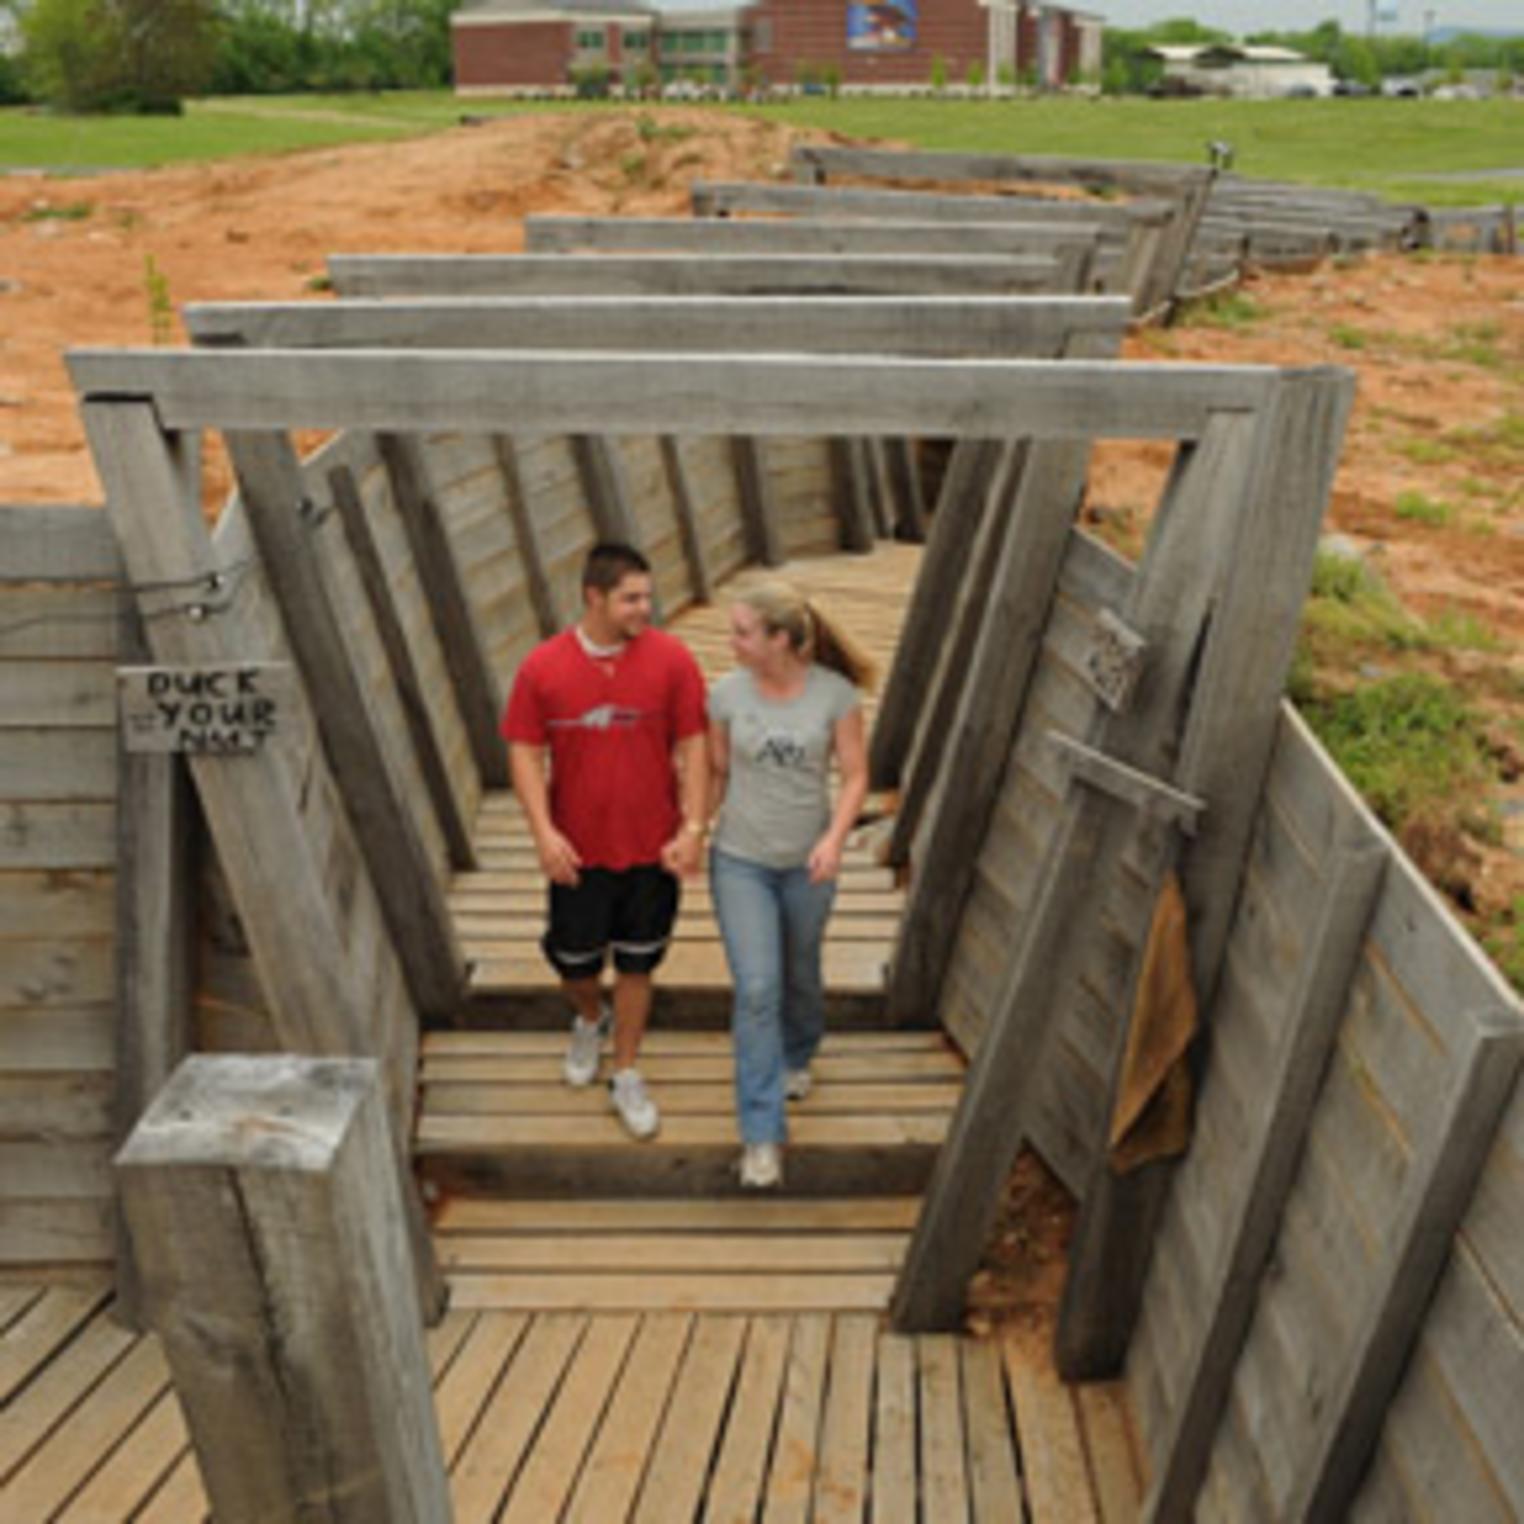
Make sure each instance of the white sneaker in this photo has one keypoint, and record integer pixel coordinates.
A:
(761, 1167)
(583, 1051)
(636, 1109)
(797, 1084)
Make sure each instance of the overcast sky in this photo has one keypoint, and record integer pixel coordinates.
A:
(1296, 15)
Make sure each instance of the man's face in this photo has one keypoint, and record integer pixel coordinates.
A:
(625, 610)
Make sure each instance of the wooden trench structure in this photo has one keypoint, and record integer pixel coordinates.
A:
(392, 1268)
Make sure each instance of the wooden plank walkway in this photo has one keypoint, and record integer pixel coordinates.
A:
(658, 1418)
(499, 906)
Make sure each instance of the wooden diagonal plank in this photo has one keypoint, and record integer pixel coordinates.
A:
(426, 740)
(686, 509)
(759, 511)
(525, 537)
(1224, 757)
(1419, 1240)
(405, 880)
(1252, 1216)
(849, 497)
(477, 689)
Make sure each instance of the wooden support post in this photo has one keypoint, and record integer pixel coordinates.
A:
(849, 496)
(1031, 551)
(1434, 1201)
(453, 825)
(412, 899)
(1252, 1216)
(603, 483)
(759, 512)
(319, 1003)
(155, 944)
(476, 685)
(264, 1207)
(699, 577)
(1173, 253)
(880, 496)
(526, 541)
(954, 528)
(910, 506)
(1224, 755)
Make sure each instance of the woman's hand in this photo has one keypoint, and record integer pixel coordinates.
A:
(825, 859)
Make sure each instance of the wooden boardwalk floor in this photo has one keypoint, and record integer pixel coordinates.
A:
(499, 906)
(659, 1418)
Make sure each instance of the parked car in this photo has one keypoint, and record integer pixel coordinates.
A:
(1351, 87)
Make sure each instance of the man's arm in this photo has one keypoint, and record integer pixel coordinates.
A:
(683, 854)
(526, 766)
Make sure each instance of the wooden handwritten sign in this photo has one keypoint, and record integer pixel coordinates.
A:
(206, 711)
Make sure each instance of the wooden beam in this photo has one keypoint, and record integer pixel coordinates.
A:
(476, 685)
(686, 509)
(601, 470)
(1305, 1036)
(264, 1206)
(992, 327)
(1435, 1196)
(688, 274)
(849, 496)
(407, 886)
(1224, 756)
(1173, 601)
(1031, 550)
(922, 768)
(953, 529)
(64, 541)
(534, 392)
(565, 235)
(759, 513)
(1148, 795)
(721, 198)
(910, 520)
(155, 941)
(525, 537)
(432, 763)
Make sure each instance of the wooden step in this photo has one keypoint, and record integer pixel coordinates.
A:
(772, 1254)
(497, 1117)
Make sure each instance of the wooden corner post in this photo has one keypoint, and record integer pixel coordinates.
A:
(264, 1208)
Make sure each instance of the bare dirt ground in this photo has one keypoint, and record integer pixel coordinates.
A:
(1438, 347)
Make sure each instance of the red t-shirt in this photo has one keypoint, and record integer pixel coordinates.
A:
(610, 726)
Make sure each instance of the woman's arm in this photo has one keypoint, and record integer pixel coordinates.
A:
(851, 745)
(719, 767)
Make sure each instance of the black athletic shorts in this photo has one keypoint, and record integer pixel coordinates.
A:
(630, 912)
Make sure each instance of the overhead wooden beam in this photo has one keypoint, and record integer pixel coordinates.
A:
(1288, 1089)
(993, 327)
(620, 393)
(545, 234)
(477, 689)
(721, 198)
(432, 762)
(264, 1207)
(64, 541)
(687, 274)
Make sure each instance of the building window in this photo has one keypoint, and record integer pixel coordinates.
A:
(636, 42)
(591, 41)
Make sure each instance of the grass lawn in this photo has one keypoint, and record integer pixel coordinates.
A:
(1381, 145)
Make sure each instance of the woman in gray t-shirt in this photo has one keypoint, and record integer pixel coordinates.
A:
(776, 724)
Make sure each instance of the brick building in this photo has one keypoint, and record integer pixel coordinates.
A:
(504, 46)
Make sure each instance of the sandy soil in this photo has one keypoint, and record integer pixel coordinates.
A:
(1439, 348)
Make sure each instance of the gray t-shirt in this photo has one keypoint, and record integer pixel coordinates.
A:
(778, 800)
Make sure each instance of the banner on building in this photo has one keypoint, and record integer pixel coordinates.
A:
(885, 26)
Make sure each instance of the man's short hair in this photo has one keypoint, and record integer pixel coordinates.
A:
(609, 563)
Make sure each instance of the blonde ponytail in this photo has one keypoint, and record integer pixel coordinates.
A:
(811, 633)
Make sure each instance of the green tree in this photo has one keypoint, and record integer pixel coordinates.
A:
(118, 55)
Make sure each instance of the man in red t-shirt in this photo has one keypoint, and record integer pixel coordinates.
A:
(619, 707)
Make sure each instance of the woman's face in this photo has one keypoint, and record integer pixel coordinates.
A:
(750, 640)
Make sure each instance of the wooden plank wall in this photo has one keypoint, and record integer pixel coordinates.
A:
(1406, 1024)
(1027, 813)
(58, 653)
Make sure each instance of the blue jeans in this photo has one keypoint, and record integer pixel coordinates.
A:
(773, 923)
